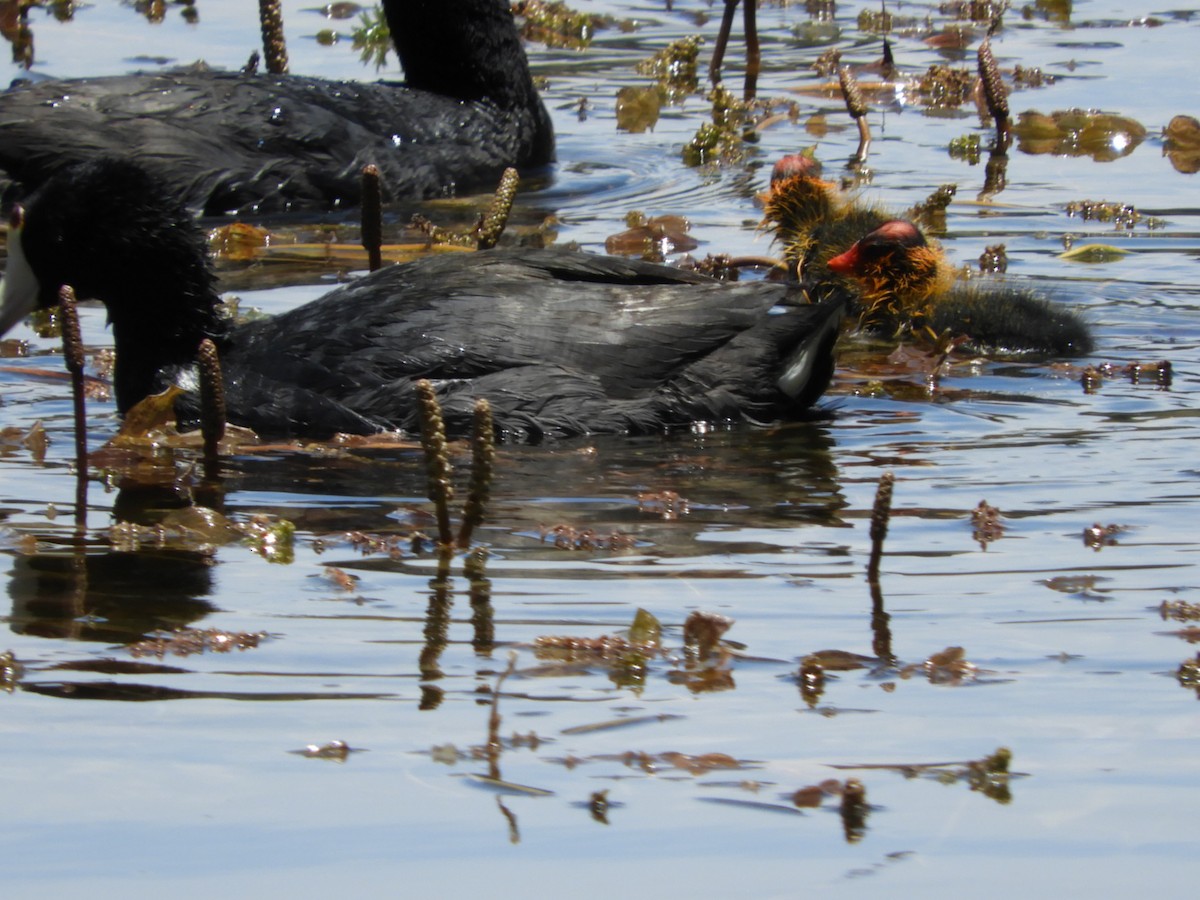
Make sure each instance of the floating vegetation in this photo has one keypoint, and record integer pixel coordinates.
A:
(966, 147)
(994, 259)
(652, 239)
(191, 641)
(702, 764)
(555, 24)
(568, 537)
(1093, 253)
(644, 638)
(192, 528)
(1189, 674)
(675, 67)
(338, 751)
(986, 525)
(1031, 77)
(949, 666)
(989, 776)
(667, 504)
(703, 631)
(981, 11)
(930, 213)
(1181, 144)
(944, 87)
(1122, 215)
(10, 672)
(1160, 374)
(1099, 536)
(720, 141)
(1179, 611)
(1076, 132)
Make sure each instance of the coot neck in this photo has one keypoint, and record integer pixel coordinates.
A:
(156, 333)
(468, 49)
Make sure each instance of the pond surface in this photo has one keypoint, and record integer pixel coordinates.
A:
(141, 759)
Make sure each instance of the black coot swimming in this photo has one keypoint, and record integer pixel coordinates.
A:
(559, 342)
(229, 141)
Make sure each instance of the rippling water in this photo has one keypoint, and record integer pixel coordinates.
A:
(1074, 667)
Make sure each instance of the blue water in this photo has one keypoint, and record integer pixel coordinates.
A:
(194, 788)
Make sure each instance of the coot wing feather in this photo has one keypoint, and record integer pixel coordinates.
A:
(448, 318)
(229, 141)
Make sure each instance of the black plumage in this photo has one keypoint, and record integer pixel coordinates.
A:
(559, 342)
(230, 141)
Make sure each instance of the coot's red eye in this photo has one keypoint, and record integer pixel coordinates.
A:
(16, 218)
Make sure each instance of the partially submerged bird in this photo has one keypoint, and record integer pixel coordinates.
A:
(559, 342)
(907, 286)
(231, 141)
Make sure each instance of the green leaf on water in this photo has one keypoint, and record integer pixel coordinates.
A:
(645, 629)
(1093, 253)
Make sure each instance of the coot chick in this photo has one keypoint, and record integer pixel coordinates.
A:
(229, 141)
(559, 342)
(812, 219)
(907, 286)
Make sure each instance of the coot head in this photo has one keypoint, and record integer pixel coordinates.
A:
(114, 232)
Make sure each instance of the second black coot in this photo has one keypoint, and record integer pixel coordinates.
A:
(229, 141)
(559, 342)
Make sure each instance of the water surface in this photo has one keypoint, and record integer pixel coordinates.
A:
(138, 772)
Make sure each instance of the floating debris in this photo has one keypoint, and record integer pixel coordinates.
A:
(667, 504)
(652, 239)
(11, 672)
(1122, 215)
(985, 524)
(989, 776)
(1189, 674)
(994, 259)
(338, 751)
(675, 67)
(949, 666)
(191, 641)
(568, 537)
(1179, 610)
(1099, 536)
(1076, 132)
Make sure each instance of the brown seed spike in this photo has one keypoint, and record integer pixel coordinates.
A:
(270, 17)
(496, 218)
(71, 334)
(372, 217)
(994, 92)
(483, 461)
(212, 398)
(851, 93)
(437, 458)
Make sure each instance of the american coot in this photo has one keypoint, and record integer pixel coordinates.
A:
(560, 342)
(229, 141)
(907, 283)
